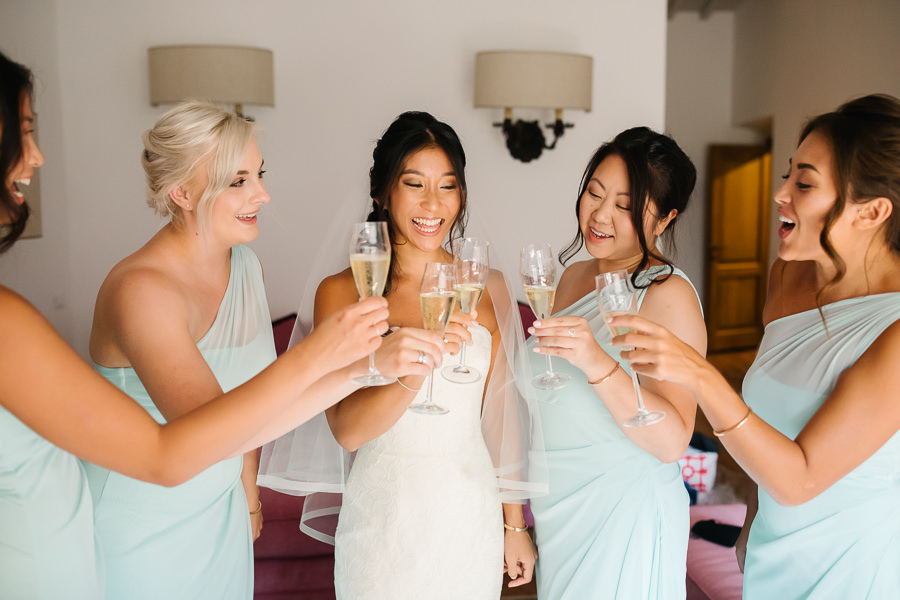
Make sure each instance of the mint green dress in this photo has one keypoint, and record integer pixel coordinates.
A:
(193, 540)
(845, 542)
(615, 524)
(47, 546)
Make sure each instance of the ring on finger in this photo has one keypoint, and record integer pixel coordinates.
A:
(422, 359)
(571, 332)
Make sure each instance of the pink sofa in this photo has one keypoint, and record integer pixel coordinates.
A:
(712, 570)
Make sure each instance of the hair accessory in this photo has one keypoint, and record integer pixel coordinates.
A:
(516, 529)
(736, 426)
(258, 508)
(608, 375)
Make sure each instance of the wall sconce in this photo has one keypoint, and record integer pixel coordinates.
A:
(226, 74)
(524, 79)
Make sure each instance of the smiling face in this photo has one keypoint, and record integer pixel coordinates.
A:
(232, 219)
(804, 200)
(32, 158)
(425, 201)
(605, 216)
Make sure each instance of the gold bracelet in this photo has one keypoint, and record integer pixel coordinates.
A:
(736, 426)
(608, 375)
(258, 508)
(516, 529)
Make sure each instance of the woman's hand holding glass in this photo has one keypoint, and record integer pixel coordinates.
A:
(370, 259)
(409, 351)
(350, 333)
(537, 267)
(616, 297)
(571, 338)
(437, 297)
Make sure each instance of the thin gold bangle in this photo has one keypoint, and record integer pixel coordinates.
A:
(516, 529)
(608, 375)
(736, 426)
(258, 509)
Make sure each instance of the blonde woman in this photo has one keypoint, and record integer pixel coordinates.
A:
(55, 408)
(176, 323)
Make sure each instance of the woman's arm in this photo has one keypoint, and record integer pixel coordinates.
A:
(368, 413)
(857, 418)
(672, 302)
(518, 549)
(46, 385)
(740, 547)
(251, 490)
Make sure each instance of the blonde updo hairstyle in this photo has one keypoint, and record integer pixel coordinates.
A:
(189, 136)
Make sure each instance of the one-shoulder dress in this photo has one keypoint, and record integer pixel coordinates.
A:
(421, 514)
(191, 541)
(845, 542)
(47, 546)
(616, 521)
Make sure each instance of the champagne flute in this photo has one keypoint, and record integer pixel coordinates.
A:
(370, 259)
(616, 296)
(472, 266)
(538, 271)
(437, 297)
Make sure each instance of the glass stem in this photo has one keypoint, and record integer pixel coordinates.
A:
(372, 368)
(462, 355)
(549, 364)
(428, 399)
(637, 392)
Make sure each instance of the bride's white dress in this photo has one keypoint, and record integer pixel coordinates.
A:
(421, 515)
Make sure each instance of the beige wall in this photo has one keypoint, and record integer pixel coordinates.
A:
(343, 71)
(798, 58)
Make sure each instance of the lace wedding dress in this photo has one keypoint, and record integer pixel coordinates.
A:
(421, 515)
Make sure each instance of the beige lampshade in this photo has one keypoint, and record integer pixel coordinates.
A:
(226, 74)
(526, 79)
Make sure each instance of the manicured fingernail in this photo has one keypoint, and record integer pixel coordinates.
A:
(537, 323)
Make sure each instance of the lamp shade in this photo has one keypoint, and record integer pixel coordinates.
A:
(226, 74)
(525, 79)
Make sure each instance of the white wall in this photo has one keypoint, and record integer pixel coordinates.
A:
(343, 71)
(798, 58)
(699, 70)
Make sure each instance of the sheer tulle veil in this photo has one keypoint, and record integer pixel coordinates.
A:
(309, 462)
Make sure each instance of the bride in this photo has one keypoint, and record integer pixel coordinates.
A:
(421, 513)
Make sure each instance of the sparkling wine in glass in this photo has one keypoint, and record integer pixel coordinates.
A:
(370, 258)
(616, 296)
(437, 297)
(538, 270)
(470, 256)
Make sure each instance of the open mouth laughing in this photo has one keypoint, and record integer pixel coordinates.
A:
(786, 226)
(427, 226)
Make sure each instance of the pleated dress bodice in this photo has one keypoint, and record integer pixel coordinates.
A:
(845, 542)
(193, 540)
(615, 523)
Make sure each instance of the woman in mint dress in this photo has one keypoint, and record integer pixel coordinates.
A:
(819, 430)
(55, 408)
(615, 523)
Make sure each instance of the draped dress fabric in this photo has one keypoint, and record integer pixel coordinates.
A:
(616, 521)
(191, 541)
(47, 546)
(845, 542)
(421, 515)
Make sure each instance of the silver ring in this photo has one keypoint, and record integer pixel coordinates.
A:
(423, 358)
(571, 331)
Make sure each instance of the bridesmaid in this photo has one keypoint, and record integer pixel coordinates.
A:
(819, 431)
(615, 524)
(176, 323)
(54, 407)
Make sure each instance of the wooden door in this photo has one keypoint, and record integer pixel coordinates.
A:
(737, 234)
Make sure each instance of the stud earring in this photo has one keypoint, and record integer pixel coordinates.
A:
(187, 206)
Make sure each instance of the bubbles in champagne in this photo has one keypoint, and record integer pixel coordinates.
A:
(436, 309)
(541, 298)
(370, 273)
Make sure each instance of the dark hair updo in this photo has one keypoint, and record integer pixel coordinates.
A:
(865, 142)
(15, 86)
(659, 174)
(409, 133)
